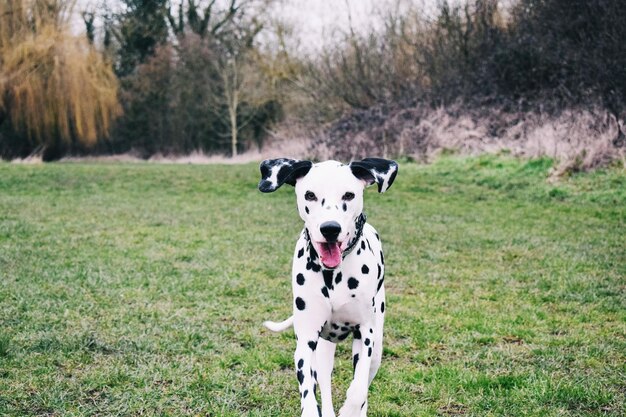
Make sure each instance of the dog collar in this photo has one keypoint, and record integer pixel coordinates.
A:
(359, 223)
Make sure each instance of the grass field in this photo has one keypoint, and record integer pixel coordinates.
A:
(139, 289)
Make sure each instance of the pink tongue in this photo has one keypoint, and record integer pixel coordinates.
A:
(331, 254)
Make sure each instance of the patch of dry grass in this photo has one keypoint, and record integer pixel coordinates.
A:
(578, 139)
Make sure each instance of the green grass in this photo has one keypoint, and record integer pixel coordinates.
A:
(132, 289)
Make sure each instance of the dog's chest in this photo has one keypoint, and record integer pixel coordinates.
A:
(350, 303)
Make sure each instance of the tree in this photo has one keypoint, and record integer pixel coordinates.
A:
(54, 87)
(139, 29)
(233, 78)
(241, 83)
(193, 85)
(229, 34)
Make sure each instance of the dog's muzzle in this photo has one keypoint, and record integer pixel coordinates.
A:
(330, 250)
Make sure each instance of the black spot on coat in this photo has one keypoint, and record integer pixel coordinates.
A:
(353, 283)
(300, 304)
(365, 269)
(328, 278)
(300, 279)
(313, 266)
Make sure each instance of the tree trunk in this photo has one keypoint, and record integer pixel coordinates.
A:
(233, 128)
(232, 95)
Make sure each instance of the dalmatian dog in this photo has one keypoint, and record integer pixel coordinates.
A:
(337, 276)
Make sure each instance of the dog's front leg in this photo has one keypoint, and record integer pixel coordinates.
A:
(305, 373)
(324, 362)
(356, 397)
(307, 329)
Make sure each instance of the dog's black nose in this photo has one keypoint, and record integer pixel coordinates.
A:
(330, 230)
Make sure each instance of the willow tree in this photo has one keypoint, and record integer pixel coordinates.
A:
(53, 85)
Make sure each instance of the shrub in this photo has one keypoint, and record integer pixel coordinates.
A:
(55, 89)
(555, 51)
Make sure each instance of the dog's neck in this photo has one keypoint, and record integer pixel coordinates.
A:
(359, 223)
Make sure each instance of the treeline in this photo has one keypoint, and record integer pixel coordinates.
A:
(189, 76)
(194, 75)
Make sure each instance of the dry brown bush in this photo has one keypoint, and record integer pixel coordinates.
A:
(53, 85)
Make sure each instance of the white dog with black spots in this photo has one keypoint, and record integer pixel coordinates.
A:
(337, 277)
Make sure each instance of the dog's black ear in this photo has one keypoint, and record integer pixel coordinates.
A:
(276, 172)
(376, 170)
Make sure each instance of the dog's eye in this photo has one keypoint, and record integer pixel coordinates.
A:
(348, 196)
(309, 196)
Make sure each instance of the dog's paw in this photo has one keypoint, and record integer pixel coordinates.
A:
(356, 399)
(350, 410)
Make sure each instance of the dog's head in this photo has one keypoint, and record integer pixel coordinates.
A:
(329, 196)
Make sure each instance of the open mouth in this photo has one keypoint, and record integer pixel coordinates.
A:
(330, 253)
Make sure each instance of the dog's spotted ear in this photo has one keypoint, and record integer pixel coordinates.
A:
(375, 170)
(276, 172)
